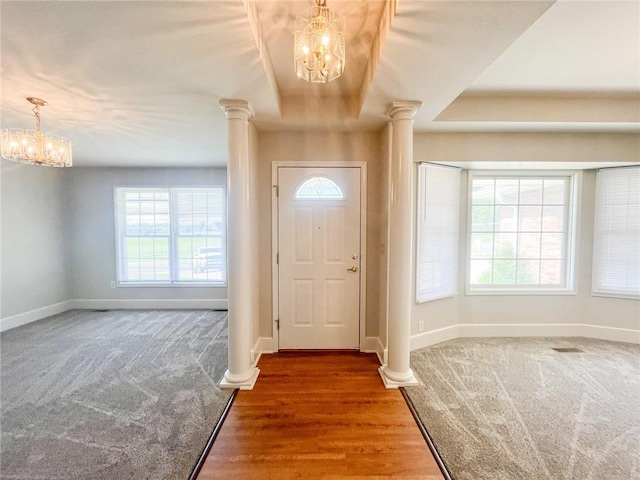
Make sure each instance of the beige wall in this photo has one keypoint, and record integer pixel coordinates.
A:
(86, 195)
(374, 148)
(35, 212)
(58, 240)
(309, 147)
(527, 147)
(92, 261)
(580, 308)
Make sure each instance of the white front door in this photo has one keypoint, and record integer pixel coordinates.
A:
(319, 257)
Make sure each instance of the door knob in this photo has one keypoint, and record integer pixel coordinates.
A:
(352, 269)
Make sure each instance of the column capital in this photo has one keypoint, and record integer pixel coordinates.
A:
(238, 109)
(403, 109)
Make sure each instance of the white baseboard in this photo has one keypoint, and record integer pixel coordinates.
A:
(374, 345)
(524, 330)
(520, 330)
(262, 345)
(611, 333)
(34, 315)
(427, 339)
(159, 304)
(268, 345)
(551, 330)
(256, 352)
(108, 304)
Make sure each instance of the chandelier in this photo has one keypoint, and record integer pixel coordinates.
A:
(34, 146)
(318, 44)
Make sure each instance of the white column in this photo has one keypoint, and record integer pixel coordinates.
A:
(397, 372)
(240, 374)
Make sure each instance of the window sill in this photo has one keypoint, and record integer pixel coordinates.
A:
(525, 293)
(171, 285)
(623, 296)
(420, 301)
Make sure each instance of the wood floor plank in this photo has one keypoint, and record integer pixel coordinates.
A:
(319, 415)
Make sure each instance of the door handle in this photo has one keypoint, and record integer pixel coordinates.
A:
(352, 269)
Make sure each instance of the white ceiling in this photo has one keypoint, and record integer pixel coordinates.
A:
(135, 83)
(575, 47)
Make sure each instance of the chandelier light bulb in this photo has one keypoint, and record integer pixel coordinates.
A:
(33, 146)
(319, 44)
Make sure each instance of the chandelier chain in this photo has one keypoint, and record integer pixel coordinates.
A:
(34, 146)
(319, 44)
(36, 112)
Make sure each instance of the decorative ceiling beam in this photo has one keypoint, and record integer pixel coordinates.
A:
(386, 18)
(263, 50)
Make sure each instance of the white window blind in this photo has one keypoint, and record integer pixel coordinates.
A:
(438, 215)
(616, 249)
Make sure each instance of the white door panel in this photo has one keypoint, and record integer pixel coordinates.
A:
(319, 246)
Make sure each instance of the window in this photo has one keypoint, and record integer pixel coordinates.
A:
(616, 242)
(521, 233)
(438, 217)
(169, 236)
(319, 187)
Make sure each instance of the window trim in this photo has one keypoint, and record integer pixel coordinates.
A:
(571, 246)
(171, 190)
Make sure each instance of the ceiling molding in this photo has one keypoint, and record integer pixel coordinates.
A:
(527, 107)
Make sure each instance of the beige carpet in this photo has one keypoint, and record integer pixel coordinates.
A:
(515, 409)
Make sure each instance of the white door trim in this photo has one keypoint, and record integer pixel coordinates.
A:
(275, 242)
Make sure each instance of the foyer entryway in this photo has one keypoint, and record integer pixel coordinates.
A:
(319, 257)
(320, 415)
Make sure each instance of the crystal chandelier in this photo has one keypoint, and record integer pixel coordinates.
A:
(34, 146)
(318, 44)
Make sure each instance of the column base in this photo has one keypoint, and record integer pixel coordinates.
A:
(244, 383)
(394, 380)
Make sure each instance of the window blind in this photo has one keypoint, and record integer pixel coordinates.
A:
(616, 248)
(437, 228)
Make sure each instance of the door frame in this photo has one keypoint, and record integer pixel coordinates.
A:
(275, 273)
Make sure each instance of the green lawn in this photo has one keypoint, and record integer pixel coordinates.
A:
(158, 247)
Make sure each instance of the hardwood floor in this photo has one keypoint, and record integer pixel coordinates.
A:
(319, 415)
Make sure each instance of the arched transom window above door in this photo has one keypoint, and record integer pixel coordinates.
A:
(318, 188)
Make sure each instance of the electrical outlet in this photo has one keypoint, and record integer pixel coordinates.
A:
(421, 326)
(113, 284)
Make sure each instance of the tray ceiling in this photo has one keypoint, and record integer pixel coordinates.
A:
(138, 83)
